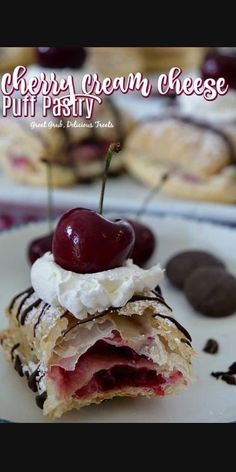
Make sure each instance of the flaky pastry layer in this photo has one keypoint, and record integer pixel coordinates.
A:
(40, 338)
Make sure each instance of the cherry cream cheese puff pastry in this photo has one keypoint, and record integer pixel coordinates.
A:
(95, 336)
(24, 147)
(87, 139)
(93, 326)
(198, 158)
(81, 338)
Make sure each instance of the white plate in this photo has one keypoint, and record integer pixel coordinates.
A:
(207, 400)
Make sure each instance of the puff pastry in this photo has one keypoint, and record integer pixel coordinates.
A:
(88, 146)
(75, 149)
(198, 158)
(115, 62)
(138, 349)
(11, 57)
(163, 58)
(23, 148)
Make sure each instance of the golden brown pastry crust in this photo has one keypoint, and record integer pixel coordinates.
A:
(197, 160)
(163, 58)
(18, 138)
(36, 344)
(10, 57)
(115, 62)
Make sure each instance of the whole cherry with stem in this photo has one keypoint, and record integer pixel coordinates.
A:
(86, 242)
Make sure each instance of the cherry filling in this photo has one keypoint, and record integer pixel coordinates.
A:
(89, 150)
(19, 162)
(191, 178)
(107, 367)
(120, 377)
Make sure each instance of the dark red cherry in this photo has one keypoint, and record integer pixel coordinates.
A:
(38, 247)
(145, 243)
(61, 57)
(220, 63)
(86, 242)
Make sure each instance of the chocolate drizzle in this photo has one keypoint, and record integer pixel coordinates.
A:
(13, 349)
(40, 399)
(45, 306)
(29, 292)
(17, 362)
(32, 382)
(33, 378)
(28, 309)
(157, 290)
(177, 324)
(185, 341)
(158, 298)
(18, 366)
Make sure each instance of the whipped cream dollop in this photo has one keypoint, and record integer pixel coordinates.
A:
(83, 294)
(220, 110)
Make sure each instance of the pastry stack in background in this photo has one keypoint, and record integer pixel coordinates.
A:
(190, 139)
(11, 57)
(194, 142)
(76, 153)
(198, 160)
(75, 149)
(163, 58)
(121, 61)
(115, 61)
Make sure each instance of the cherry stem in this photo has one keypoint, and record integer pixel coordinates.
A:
(150, 195)
(113, 148)
(49, 192)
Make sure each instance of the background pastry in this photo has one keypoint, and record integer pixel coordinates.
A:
(86, 146)
(10, 57)
(163, 58)
(76, 143)
(220, 113)
(198, 159)
(115, 62)
(23, 148)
